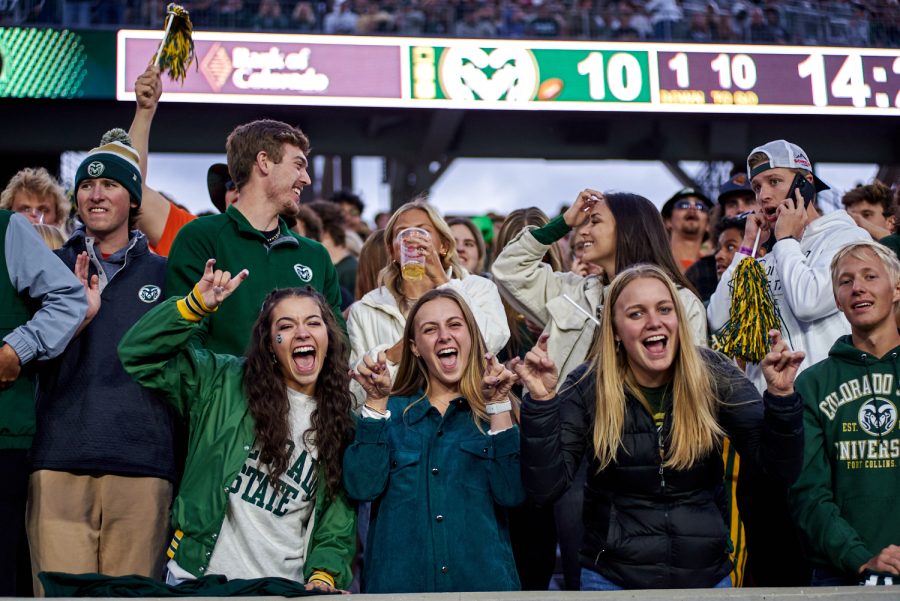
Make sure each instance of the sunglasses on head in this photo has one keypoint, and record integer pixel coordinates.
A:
(686, 204)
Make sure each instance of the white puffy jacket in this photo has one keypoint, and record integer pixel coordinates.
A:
(536, 291)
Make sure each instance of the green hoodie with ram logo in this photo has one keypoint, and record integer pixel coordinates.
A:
(845, 499)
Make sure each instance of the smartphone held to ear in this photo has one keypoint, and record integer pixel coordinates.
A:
(807, 190)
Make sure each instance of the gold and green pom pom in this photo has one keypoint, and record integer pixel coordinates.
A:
(176, 52)
(752, 314)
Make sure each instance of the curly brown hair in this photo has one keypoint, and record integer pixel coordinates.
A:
(266, 391)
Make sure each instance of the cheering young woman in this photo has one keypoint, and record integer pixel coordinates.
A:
(261, 494)
(618, 230)
(439, 458)
(651, 409)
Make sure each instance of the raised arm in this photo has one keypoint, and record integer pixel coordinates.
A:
(366, 461)
(719, 307)
(807, 284)
(154, 206)
(768, 434)
(519, 271)
(366, 326)
(504, 446)
(553, 424)
(155, 350)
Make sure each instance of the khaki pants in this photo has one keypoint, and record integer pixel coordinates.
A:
(115, 525)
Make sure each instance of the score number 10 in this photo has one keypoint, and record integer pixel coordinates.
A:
(621, 74)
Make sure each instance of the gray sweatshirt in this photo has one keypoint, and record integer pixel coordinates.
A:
(36, 272)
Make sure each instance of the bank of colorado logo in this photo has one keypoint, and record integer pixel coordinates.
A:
(303, 272)
(149, 293)
(877, 417)
(95, 169)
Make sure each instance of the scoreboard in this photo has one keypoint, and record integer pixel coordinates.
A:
(806, 79)
(525, 74)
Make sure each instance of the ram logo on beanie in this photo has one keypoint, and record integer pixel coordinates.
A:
(114, 159)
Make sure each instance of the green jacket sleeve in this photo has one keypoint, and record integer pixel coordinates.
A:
(155, 352)
(811, 499)
(186, 262)
(553, 230)
(332, 545)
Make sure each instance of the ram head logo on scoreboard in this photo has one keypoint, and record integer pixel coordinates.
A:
(468, 72)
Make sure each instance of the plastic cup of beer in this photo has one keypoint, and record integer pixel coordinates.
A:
(412, 256)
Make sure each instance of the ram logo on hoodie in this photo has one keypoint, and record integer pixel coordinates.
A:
(877, 417)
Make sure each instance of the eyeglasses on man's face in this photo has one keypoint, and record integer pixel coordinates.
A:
(687, 204)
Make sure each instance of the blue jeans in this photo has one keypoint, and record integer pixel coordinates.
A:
(593, 581)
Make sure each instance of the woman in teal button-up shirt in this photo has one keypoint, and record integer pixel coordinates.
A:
(439, 458)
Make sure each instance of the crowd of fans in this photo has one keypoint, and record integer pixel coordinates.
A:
(274, 385)
(829, 22)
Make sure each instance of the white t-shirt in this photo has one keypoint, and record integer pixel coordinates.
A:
(265, 530)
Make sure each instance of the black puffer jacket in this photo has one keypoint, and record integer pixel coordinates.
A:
(646, 526)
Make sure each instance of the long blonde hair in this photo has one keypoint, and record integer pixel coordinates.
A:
(412, 375)
(695, 430)
(390, 277)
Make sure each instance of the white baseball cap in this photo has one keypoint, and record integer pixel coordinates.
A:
(786, 155)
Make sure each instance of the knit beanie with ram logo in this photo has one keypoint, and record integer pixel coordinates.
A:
(114, 159)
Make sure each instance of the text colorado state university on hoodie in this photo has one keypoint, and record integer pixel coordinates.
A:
(846, 497)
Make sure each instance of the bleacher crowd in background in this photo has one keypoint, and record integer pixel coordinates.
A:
(806, 22)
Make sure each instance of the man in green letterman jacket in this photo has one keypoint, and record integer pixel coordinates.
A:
(845, 499)
(41, 306)
(268, 164)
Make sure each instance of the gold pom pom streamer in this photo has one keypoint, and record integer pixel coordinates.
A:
(176, 51)
(752, 313)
